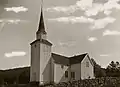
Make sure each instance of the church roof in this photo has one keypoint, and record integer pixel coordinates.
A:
(59, 59)
(42, 41)
(77, 59)
(41, 27)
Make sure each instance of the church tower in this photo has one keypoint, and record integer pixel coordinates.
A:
(41, 61)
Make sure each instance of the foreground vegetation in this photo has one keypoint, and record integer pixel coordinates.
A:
(98, 82)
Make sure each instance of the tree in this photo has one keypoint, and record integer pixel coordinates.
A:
(98, 71)
(113, 69)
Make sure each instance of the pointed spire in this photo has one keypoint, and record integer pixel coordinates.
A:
(41, 28)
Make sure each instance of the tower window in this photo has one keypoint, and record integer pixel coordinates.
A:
(35, 45)
(66, 74)
(87, 64)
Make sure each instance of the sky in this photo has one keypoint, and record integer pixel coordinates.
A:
(73, 26)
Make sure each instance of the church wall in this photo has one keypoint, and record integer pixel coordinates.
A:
(45, 63)
(59, 73)
(77, 69)
(35, 58)
(86, 71)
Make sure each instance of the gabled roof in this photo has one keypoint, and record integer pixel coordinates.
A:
(77, 59)
(59, 59)
(90, 60)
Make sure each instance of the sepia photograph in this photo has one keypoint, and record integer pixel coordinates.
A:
(59, 43)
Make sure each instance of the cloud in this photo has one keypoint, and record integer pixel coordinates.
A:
(10, 21)
(13, 54)
(92, 39)
(95, 24)
(67, 44)
(17, 9)
(89, 7)
(73, 19)
(107, 12)
(105, 8)
(109, 32)
(99, 7)
(104, 55)
(93, 10)
(64, 9)
(83, 4)
(101, 23)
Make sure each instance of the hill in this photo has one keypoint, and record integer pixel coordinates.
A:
(16, 75)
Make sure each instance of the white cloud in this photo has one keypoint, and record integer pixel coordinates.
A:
(104, 55)
(107, 12)
(10, 21)
(101, 23)
(17, 9)
(13, 21)
(90, 8)
(109, 32)
(95, 24)
(105, 8)
(13, 54)
(64, 9)
(67, 44)
(93, 10)
(83, 4)
(92, 39)
(73, 19)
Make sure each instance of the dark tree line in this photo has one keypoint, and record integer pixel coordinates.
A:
(15, 76)
(112, 70)
(98, 71)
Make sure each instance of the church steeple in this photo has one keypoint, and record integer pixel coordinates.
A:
(41, 62)
(41, 33)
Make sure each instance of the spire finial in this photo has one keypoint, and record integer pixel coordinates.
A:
(41, 4)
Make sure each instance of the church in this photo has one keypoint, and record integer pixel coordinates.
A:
(51, 67)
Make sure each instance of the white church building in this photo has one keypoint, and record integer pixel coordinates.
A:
(51, 67)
